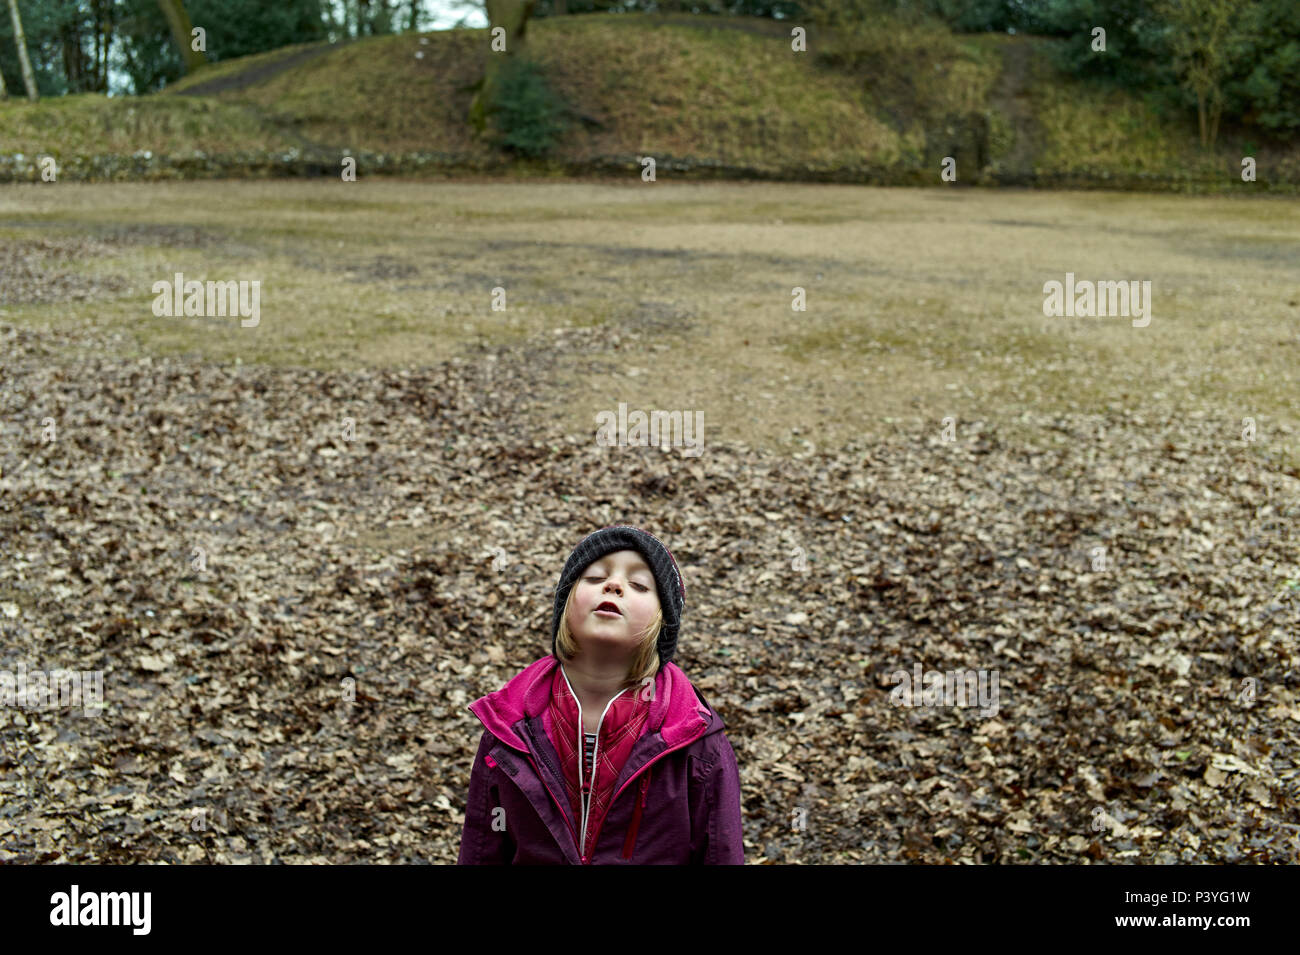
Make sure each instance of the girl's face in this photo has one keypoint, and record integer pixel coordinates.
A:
(621, 580)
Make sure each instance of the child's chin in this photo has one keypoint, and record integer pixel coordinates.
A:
(606, 637)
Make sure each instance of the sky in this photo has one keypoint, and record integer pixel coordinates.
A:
(446, 15)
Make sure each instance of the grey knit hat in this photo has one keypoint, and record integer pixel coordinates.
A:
(668, 581)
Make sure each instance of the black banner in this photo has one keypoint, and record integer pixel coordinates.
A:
(329, 904)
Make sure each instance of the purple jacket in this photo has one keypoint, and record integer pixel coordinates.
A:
(689, 814)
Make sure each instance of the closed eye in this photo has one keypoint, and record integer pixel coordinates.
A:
(640, 587)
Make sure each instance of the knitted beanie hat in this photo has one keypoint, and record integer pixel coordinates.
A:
(668, 581)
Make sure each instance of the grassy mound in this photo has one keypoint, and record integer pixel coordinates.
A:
(706, 96)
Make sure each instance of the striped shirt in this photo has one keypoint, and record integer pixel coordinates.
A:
(589, 757)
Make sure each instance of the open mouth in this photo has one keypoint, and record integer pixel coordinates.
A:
(608, 609)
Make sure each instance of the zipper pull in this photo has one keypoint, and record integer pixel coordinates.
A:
(630, 840)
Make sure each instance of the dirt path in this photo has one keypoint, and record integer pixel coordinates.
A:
(259, 74)
(1011, 97)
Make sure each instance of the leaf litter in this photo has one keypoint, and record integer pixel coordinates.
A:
(290, 621)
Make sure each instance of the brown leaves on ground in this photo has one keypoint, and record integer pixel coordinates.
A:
(40, 272)
(296, 691)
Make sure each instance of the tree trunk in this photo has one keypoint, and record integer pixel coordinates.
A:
(179, 23)
(20, 41)
(561, 8)
(4, 91)
(73, 62)
(108, 47)
(513, 16)
(102, 39)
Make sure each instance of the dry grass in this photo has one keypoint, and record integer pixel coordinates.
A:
(922, 304)
(744, 97)
(89, 124)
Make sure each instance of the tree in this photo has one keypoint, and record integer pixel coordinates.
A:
(84, 34)
(29, 78)
(512, 16)
(179, 22)
(1136, 57)
(147, 46)
(1202, 38)
(43, 25)
(1265, 87)
(255, 26)
(374, 17)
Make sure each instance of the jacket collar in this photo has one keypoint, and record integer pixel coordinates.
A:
(676, 712)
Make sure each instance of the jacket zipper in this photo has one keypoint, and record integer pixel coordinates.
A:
(595, 761)
(585, 787)
(645, 769)
(645, 783)
(630, 841)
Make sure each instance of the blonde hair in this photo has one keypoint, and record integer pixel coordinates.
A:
(645, 661)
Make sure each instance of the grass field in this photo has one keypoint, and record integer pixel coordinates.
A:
(921, 304)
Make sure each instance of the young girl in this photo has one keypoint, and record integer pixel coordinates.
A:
(603, 753)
